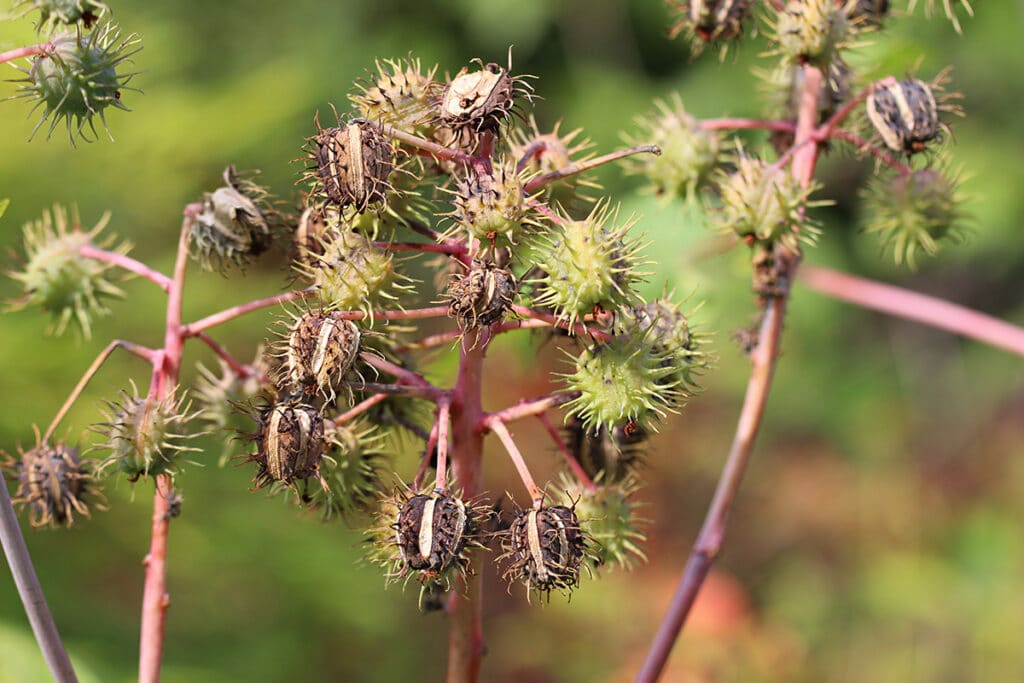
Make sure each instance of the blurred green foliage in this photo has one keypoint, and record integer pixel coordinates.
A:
(878, 535)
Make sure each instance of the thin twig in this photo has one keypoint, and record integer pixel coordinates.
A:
(747, 124)
(359, 408)
(194, 328)
(529, 407)
(241, 370)
(921, 308)
(501, 431)
(127, 263)
(31, 593)
(443, 416)
(28, 51)
(586, 165)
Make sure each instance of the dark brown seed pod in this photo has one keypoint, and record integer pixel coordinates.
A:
(544, 549)
(431, 532)
(320, 349)
(905, 114)
(710, 21)
(317, 226)
(353, 162)
(481, 296)
(478, 100)
(290, 443)
(608, 455)
(53, 483)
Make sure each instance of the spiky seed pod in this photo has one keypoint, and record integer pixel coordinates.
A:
(317, 226)
(144, 436)
(627, 379)
(761, 203)
(219, 393)
(53, 13)
(905, 113)
(688, 152)
(352, 163)
(482, 295)
(290, 444)
(79, 79)
(54, 483)
(477, 101)
(588, 264)
(539, 153)
(672, 334)
(320, 349)
(949, 6)
(545, 548)
(609, 518)
(814, 31)
(709, 21)
(58, 279)
(401, 94)
(353, 273)
(492, 208)
(915, 211)
(353, 468)
(234, 225)
(608, 453)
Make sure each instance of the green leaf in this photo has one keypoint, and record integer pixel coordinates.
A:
(4, 203)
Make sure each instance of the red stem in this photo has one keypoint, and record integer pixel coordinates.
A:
(403, 375)
(359, 408)
(529, 407)
(582, 166)
(127, 263)
(921, 308)
(449, 247)
(712, 533)
(577, 328)
(874, 151)
(747, 124)
(240, 369)
(194, 328)
(501, 431)
(29, 51)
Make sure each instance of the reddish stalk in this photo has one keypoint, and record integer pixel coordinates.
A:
(763, 358)
(577, 328)
(413, 379)
(359, 408)
(570, 460)
(864, 145)
(127, 263)
(28, 51)
(586, 165)
(529, 407)
(194, 328)
(747, 124)
(501, 431)
(240, 369)
(921, 308)
(465, 606)
(450, 248)
(421, 471)
(435, 150)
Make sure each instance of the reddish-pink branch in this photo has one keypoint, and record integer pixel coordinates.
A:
(501, 431)
(554, 321)
(194, 328)
(421, 470)
(529, 407)
(127, 263)
(763, 357)
(403, 375)
(432, 148)
(586, 165)
(359, 408)
(450, 247)
(921, 308)
(240, 369)
(28, 51)
(880, 154)
(747, 124)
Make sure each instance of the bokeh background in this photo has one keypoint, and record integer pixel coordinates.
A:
(879, 532)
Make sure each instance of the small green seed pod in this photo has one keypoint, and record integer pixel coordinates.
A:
(399, 95)
(814, 31)
(53, 13)
(709, 21)
(492, 208)
(544, 548)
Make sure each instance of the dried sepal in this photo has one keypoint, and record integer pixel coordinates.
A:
(234, 225)
(58, 278)
(79, 78)
(54, 482)
(145, 436)
(545, 549)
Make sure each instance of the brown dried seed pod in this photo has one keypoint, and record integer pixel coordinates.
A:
(320, 349)
(54, 483)
(545, 549)
(606, 454)
(353, 163)
(482, 295)
(290, 443)
(431, 532)
(905, 114)
(317, 226)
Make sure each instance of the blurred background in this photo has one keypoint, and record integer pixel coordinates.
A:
(878, 535)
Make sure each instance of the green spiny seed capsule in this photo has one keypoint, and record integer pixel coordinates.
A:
(761, 203)
(477, 101)
(544, 549)
(627, 379)
(905, 114)
(353, 163)
(915, 211)
(290, 444)
(400, 94)
(79, 79)
(606, 453)
(671, 334)
(144, 436)
(814, 31)
(609, 517)
(320, 349)
(709, 21)
(58, 279)
(431, 532)
(353, 273)
(481, 296)
(688, 152)
(316, 227)
(220, 392)
(53, 13)
(353, 469)
(234, 225)
(492, 208)
(54, 483)
(539, 153)
(588, 264)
